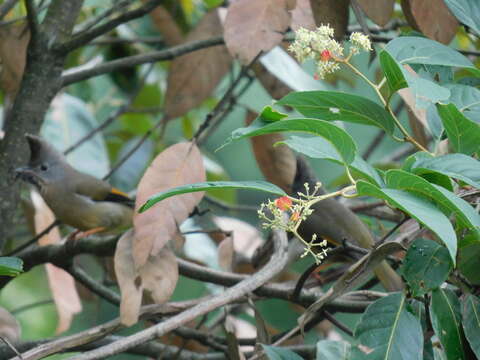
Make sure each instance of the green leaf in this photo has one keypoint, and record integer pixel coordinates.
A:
(278, 353)
(448, 201)
(471, 322)
(333, 350)
(417, 308)
(446, 320)
(419, 50)
(467, 11)
(319, 148)
(269, 114)
(330, 105)
(418, 208)
(338, 137)
(213, 185)
(392, 71)
(468, 255)
(10, 266)
(463, 133)
(390, 330)
(426, 266)
(467, 100)
(457, 166)
(424, 91)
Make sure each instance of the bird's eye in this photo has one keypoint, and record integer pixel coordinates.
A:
(43, 167)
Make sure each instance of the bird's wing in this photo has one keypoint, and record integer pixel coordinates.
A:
(118, 196)
(99, 190)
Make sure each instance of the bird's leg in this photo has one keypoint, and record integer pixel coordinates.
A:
(78, 234)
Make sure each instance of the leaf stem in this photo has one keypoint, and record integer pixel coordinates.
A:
(377, 88)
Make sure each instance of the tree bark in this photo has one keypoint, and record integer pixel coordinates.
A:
(40, 83)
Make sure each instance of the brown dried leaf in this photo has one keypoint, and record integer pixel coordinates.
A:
(166, 25)
(160, 275)
(433, 18)
(62, 285)
(14, 40)
(302, 16)
(333, 12)
(252, 26)
(180, 164)
(417, 118)
(131, 287)
(193, 77)
(380, 12)
(9, 326)
(226, 254)
(278, 164)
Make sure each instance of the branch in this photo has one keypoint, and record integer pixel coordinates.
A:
(135, 60)
(276, 264)
(119, 112)
(62, 254)
(89, 35)
(89, 23)
(32, 17)
(223, 101)
(83, 278)
(152, 349)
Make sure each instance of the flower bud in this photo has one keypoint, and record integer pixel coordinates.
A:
(283, 203)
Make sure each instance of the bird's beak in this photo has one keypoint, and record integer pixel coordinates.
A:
(26, 173)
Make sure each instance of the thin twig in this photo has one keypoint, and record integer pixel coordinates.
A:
(87, 36)
(34, 239)
(10, 345)
(216, 120)
(119, 112)
(392, 230)
(94, 286)
(32, 17)
(133, 149)
(338, 323)
(109, 40)
(94, 21)
(131, 61)
(198, 138)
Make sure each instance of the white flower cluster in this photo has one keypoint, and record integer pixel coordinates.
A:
(287, 213)
(320, 46)
(359, 42)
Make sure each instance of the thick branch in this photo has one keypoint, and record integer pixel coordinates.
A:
(276, 264)
(40, 83)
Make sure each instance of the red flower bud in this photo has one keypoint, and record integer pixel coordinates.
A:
(325, 55)
(283, 203)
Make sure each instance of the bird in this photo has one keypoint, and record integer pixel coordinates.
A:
(77, 199)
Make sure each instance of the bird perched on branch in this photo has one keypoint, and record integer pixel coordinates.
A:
(77, 199)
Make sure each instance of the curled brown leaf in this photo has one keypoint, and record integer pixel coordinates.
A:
(180, 164)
